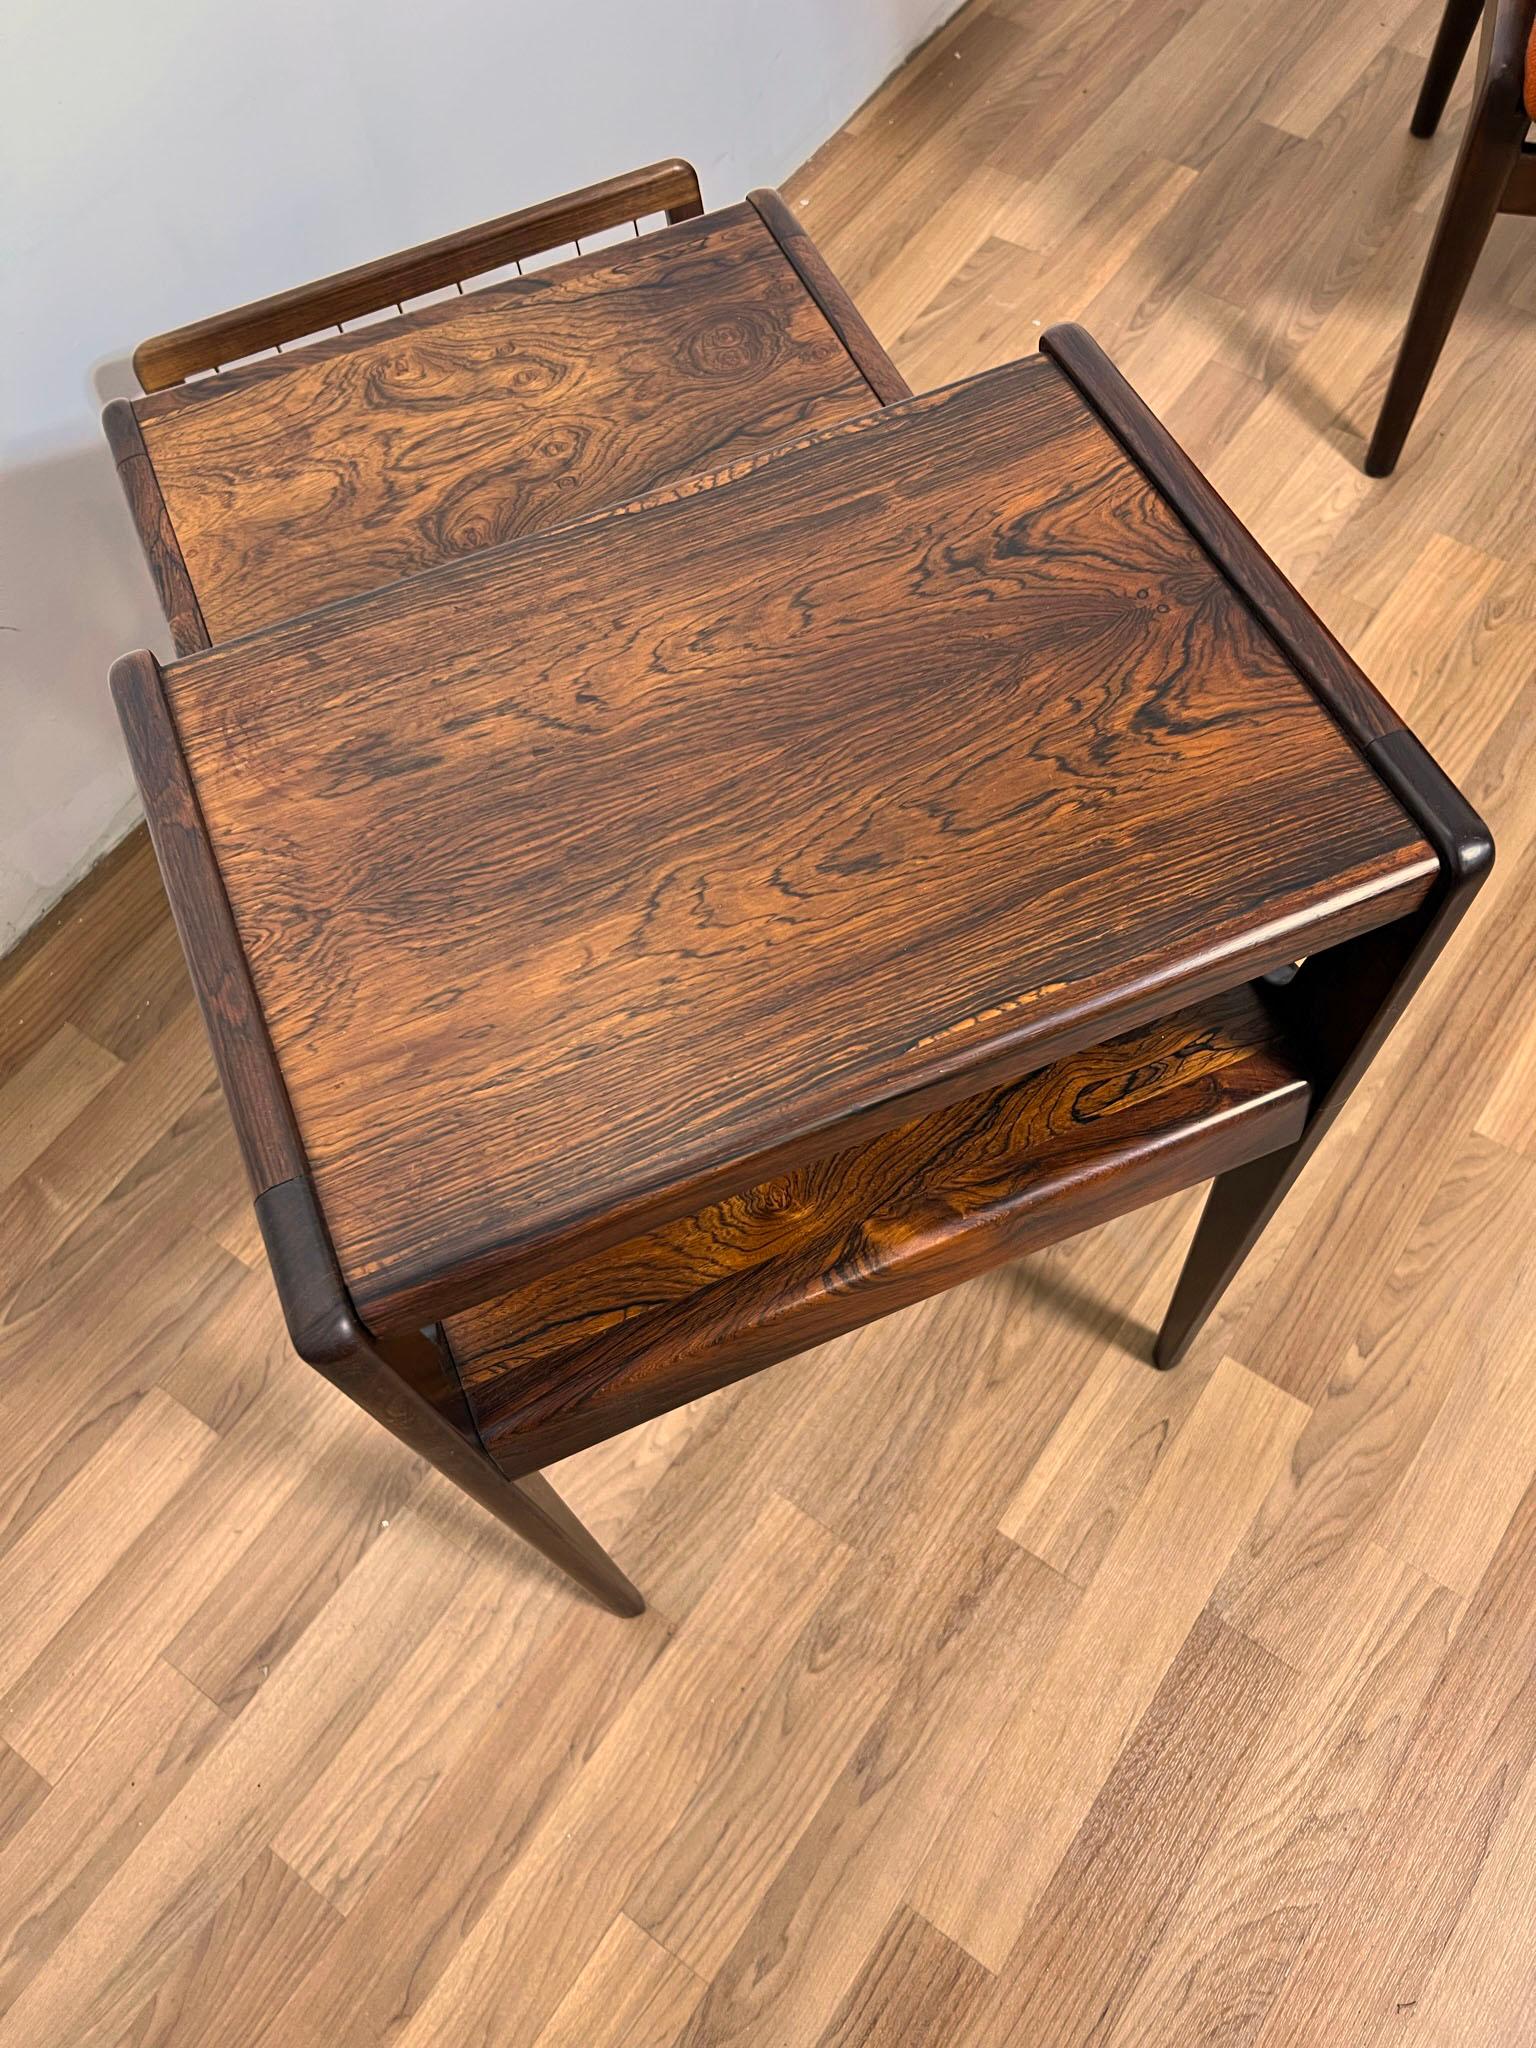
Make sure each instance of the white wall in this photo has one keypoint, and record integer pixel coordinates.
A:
(159, 162)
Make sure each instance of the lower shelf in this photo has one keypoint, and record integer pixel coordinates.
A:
(582, 1353)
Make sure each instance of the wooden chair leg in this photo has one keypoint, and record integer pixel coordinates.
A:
(1445, 60)
(1488, 154)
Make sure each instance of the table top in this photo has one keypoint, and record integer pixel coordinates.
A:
(625, 865)
(301, 479)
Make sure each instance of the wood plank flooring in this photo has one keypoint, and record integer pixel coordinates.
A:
(994, 1690)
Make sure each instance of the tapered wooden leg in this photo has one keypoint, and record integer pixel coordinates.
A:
(1445, 59)
(425, 1405)
(407, 1381)
(429, 1415)
(1236, 1210)
(1337, 1009)
(538, 1514)
(1477, 185)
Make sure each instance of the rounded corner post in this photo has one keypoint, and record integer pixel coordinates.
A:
(317, 1308)
(133, 673)
(691, 205)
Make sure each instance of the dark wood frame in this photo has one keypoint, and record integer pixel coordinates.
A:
(1494, 173)
(1339, 1006)
(671, 188)
(842, 315)
(152, 522)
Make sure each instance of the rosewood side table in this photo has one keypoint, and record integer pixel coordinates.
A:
(640, 951)
(357, 457)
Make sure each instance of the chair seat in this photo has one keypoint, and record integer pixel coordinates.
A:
(598, 1346)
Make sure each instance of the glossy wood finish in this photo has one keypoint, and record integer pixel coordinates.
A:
(152, 522)
(1351, 696)
(1494, 174)
(596, 1348)
(1343, 1002)
(879, 372)
(671, 188)
(317, 1782)
(558, 885)
(402, 1381)
(358, 459)
(258, 1103)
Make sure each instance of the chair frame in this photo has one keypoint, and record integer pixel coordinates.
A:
(1494, 173)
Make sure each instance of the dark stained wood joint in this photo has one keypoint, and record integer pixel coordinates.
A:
(844, 317)
(670, 188)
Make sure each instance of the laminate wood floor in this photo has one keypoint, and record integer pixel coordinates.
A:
(995, 1689)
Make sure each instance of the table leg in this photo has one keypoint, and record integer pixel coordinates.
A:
(1337, 1010)
(404, 1381)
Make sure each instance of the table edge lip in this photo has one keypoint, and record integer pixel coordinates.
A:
(195, 393)
(1457, 844)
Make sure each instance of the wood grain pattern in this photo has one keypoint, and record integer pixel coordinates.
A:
(662, 800)
(1088, 1938)
(133, 1933)
(630, 1994)
(1280, 1850)
(646, 1765)
(916, 1986)
(22, 1791)
(1386, 1397)
(101, 1809)
(269, 1139)
(152, 521)
(226, 1975)
(598, 1347)
(980, 1885)
(671, 188)
(368, 456)
(1401, 1245)
(1355, 702)
(45, 1096)
(876, 367)
(405, 1382)
(1466, 1755)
